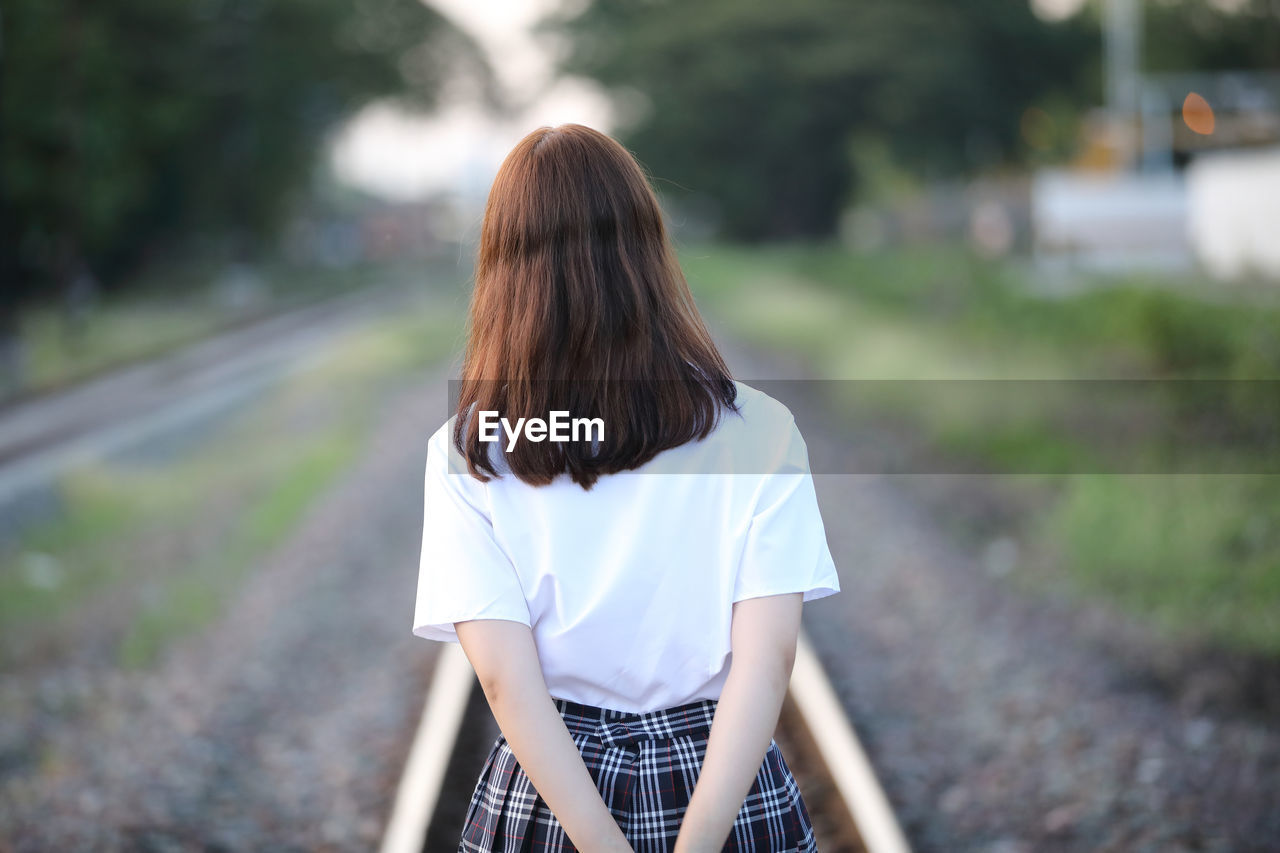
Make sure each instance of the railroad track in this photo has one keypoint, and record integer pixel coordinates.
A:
(849, 809)
(45, 433)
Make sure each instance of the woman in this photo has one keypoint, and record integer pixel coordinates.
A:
(630, 593)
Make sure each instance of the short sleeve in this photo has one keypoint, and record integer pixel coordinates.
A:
(786, 544)
(463, 573)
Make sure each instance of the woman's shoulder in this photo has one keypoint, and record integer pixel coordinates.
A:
(441, 447)
(759, 408)
(745, 441)
(441, 453)
(441, 440)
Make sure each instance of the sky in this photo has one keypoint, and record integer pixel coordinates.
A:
(459, 148)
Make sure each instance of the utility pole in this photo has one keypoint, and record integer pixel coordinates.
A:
(1122, 41)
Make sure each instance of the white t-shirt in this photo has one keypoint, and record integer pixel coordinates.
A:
(629, 587)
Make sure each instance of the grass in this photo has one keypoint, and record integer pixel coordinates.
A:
(152, 551)
(1196, 556)
(125, 330)
(194, 598)
(165, 308)
(947, 303)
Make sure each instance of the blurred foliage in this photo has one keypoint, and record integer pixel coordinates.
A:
(756, 104)
(1195, 554)
(1130, 325)
(1194, 35)
(132, 124)
(1183, 336)
(773, 115)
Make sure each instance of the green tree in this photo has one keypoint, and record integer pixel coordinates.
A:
(754, 103)
(1193, 35)
(131, 124)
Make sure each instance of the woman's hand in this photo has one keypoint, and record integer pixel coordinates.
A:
(505, 659)
(764, 635)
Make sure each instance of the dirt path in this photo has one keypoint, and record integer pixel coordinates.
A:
(1002, 720)
(284, 726)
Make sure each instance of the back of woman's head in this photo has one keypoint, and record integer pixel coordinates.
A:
(580, 306)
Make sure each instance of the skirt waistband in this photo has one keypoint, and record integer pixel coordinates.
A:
(626, 728)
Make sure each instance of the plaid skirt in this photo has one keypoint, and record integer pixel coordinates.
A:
(645, 767)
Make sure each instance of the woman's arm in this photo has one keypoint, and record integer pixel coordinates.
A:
(505, 659)
(763, 637)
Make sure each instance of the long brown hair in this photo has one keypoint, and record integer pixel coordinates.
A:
(580, 306)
